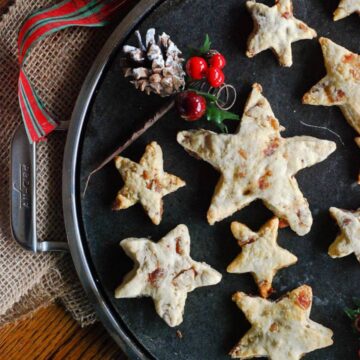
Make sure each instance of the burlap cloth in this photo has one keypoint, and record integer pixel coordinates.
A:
(57, 67)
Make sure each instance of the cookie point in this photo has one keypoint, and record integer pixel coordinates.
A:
(181, 136)
(182, 227)
(306, 99)
(323, 40)
(117, 161)
(237, 296)
(257, 87)
(250, 4)
(274, 221)
(211, 217)
(306, 289)
(234, 226)
(153, 144)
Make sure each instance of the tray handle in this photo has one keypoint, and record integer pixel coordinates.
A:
(23, 195)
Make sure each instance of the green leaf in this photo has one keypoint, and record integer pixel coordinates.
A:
(206, 95)
(206, 46)
(216, 115)
(357, 302)
(350, 313)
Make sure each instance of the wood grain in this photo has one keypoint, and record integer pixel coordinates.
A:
(51, 334)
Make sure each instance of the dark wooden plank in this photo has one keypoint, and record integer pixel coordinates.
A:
(51, 333)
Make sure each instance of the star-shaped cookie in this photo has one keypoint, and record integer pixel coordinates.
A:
(257, 163)
(348, 242)
(341, 85)
(280, 330)
(166, 272)
(260, 255)
(146, 182)
(346, 8)
(276, 28)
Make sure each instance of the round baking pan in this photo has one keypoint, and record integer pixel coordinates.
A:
(109, 109)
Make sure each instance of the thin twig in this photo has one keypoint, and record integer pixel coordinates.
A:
(324, 128)
(148, 124)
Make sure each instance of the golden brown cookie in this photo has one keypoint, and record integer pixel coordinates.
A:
(257, 163)
(276, 28)
(260, 255)
(281, 330)
(348, 241)
(166, 272)
(341, 85)
(146, 182)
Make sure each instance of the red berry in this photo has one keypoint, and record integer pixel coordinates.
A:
(215, 77)
(357, 323)
(218, 60)
(196, 68)
(190, 105)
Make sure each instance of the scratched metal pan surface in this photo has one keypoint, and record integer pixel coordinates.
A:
(109, 109)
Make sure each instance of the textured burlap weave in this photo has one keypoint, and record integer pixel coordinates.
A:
(57, 67)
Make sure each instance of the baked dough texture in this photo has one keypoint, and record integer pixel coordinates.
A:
(260, 255)
(341, 85)
(346, 8)
(276, 28)
(146, 182)
(281, 330)
(166, 272)
(348, 241)
(257, 163)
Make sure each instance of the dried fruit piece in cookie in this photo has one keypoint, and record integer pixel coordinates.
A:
(146, 182)
(166, 272)
(281, 330)
(260, 255)
(276, 28)
(341, 85)
(257, 163)
(346, 8)
(348, 241)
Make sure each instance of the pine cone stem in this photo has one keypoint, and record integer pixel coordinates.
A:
(147, 125)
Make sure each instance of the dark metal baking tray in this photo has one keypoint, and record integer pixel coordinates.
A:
(109, 109)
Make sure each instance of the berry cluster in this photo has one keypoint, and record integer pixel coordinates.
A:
(205, 66)
(199, 68)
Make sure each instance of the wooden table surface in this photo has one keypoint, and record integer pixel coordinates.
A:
(51, 333)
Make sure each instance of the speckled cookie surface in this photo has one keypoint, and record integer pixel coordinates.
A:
(348, 241)
(276, 28)
(346, 8)
(260, 254)
(166, 272)
(341, 85)
(280, 330)
(257, 163)
(146, 182)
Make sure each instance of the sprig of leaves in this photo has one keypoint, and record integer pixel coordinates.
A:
(353, 313)
(204, 49)
(217, 115)
(206, 46)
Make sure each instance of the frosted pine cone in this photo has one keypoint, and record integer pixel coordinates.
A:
(156, 67)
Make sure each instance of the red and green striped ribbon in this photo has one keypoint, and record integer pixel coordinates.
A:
(91, 13)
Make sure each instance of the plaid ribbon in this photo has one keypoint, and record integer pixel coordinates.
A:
(91, 13)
